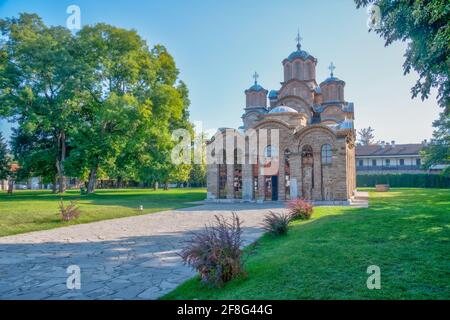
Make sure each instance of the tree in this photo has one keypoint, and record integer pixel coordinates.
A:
(35, 151)
(130, 106)
(425, 26)
(438, 151)
(4, 159)
(38, 81)
(366, 136)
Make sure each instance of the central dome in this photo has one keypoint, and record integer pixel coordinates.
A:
(283, 109)
(299, 54)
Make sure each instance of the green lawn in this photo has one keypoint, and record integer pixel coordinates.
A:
(405, 232)
(26, 211)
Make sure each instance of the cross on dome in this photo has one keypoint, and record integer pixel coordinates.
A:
(298, 39)
(256, 76)
(332, 67)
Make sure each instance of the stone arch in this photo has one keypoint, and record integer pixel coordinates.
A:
(305, 135)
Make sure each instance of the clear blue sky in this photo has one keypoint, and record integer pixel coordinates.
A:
(219, 44)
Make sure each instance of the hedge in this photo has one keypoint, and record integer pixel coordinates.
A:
(404, 180)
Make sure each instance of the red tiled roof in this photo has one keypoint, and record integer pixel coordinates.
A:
(389, 150)
(14, 167)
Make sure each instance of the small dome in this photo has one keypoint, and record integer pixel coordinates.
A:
(273, 94)
(256, 87)
(332, 79)
(283, 109)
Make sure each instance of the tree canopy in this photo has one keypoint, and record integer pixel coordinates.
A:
(425, 26)
(99, 100)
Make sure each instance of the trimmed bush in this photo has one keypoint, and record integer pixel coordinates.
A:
(404, 180)
(216, 252)
(300, 209)
(276, 224)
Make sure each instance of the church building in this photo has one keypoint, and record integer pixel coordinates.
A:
(314, 153)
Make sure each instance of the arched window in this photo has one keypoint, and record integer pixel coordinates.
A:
(326, 154)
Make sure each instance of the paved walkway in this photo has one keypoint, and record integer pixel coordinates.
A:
(127, 258)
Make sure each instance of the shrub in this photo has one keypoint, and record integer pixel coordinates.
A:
(70, 212)
(300, 209)
(276, 224)
(216, 252)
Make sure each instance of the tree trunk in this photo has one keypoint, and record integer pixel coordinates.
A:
(60, 161)
(92, 179)
(10, 186)
(166, 185)
(54, 190)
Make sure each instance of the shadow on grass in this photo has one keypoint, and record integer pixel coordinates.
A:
(327, 257)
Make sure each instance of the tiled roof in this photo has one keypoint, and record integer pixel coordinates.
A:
(389, 150)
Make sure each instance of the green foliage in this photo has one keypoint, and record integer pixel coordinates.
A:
(276, 224)
(425, 26)
(95, 102)
(404, 180)
(438, 151)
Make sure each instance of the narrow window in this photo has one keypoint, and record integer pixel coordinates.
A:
(326, 154)
(374, 163)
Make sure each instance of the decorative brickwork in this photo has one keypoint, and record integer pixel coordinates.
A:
(305, 118)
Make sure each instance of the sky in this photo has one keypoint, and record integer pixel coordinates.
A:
(218, 45)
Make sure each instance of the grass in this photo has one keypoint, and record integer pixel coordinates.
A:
(405, 232)
(26, 211)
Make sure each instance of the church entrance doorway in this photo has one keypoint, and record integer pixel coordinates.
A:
(271, 188)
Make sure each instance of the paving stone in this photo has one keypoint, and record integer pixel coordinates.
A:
(127, 258)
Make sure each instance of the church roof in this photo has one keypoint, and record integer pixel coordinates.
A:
(283, 109)
(332, 79)
(389, 150)
(256, 87)
(299, 54)
(273, 94)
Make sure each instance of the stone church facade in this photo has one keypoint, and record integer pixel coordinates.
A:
(309, 151)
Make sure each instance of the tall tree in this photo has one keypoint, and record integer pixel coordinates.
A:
(38, 80)
(366, 136)
(425, 26)
(438, 151)
(130, 106)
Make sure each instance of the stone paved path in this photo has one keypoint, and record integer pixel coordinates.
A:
(127, 258)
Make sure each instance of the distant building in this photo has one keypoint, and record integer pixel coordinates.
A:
(389, 158)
